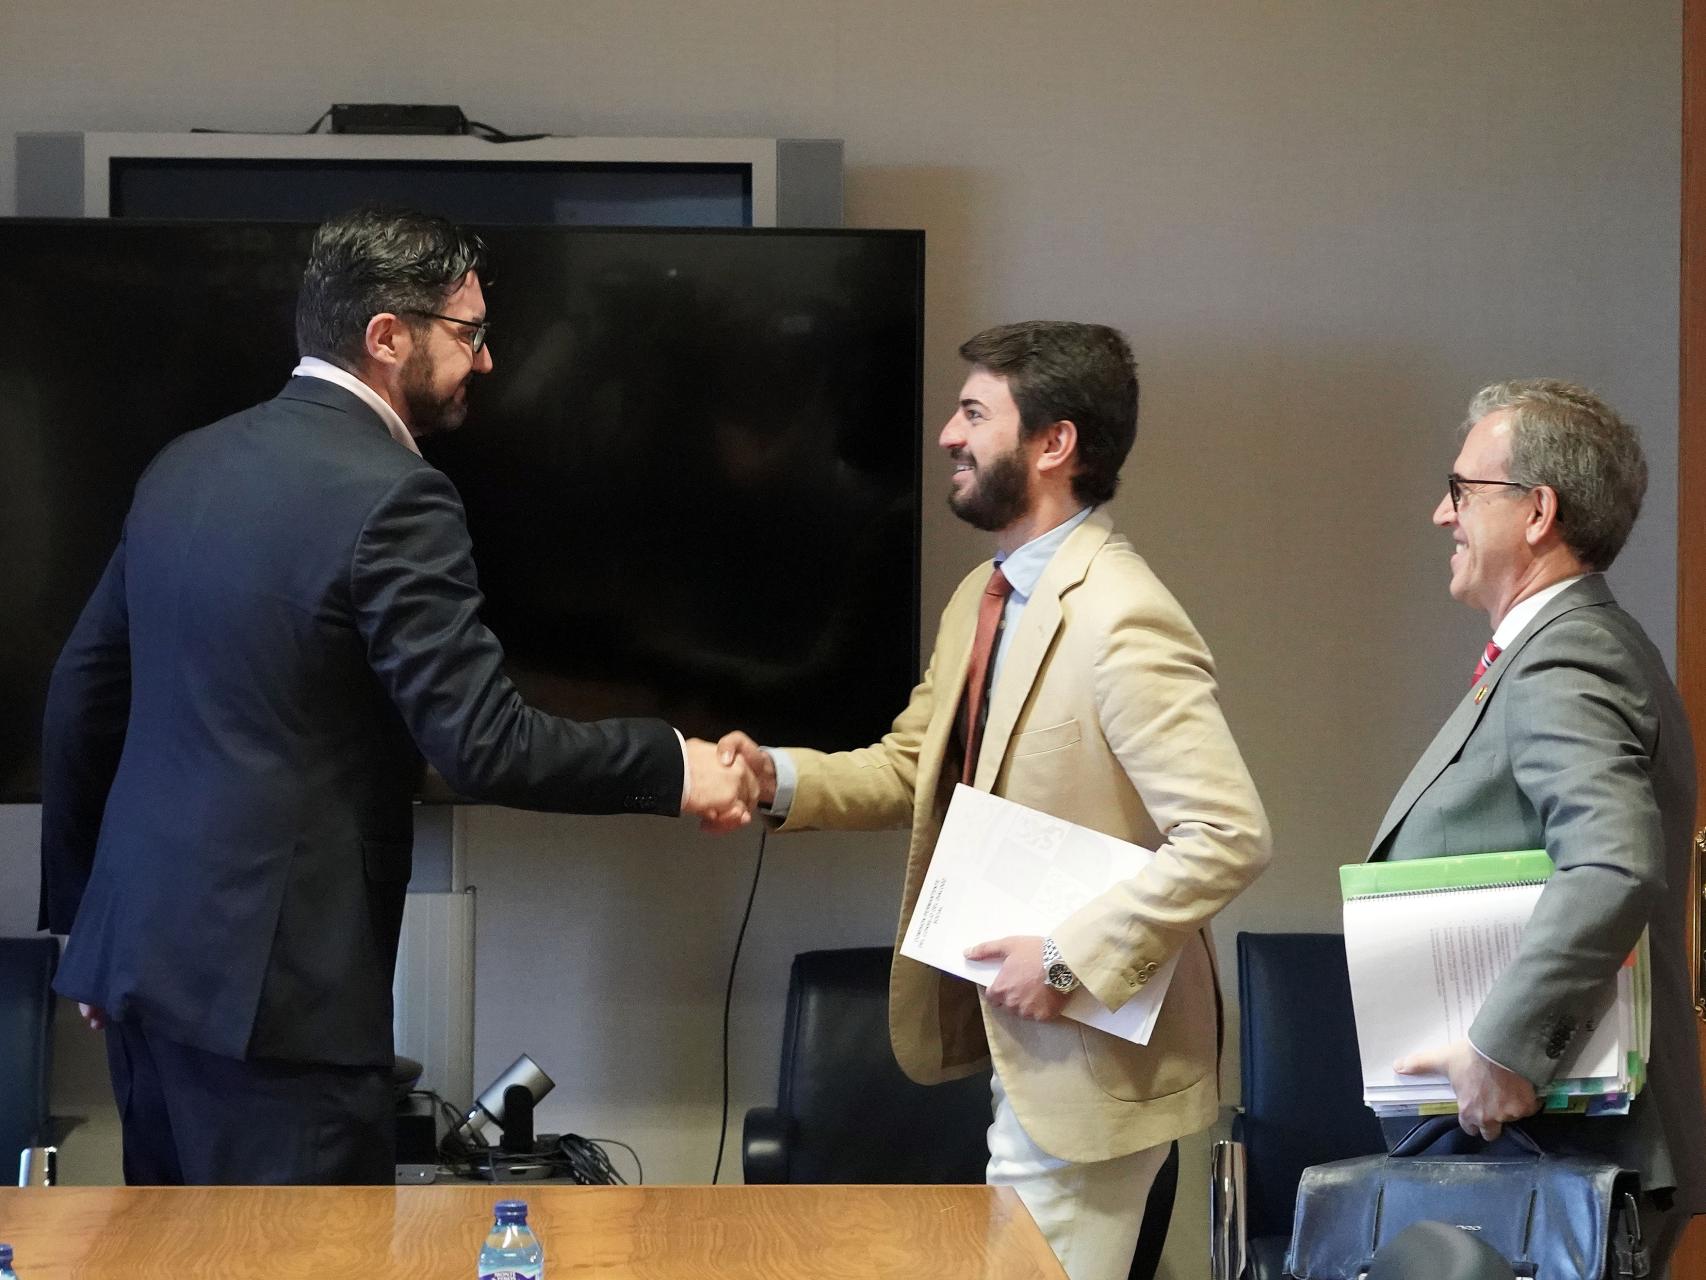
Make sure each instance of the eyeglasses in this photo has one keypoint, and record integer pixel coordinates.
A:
(476, 340)
(1455, 484)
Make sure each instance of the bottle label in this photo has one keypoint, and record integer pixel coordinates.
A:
(513, 1273)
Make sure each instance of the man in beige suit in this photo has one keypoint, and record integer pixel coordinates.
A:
(1101, 707)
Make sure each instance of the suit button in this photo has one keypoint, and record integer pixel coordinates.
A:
(1149, 969)
(1142, 977)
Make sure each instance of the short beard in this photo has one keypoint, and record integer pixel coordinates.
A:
(428, 413)
(999, 493)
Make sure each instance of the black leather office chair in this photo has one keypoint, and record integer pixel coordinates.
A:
(845, 1112)
(1302, 1078)
(26, 1045)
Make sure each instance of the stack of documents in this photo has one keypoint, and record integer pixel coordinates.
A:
(1426, 939)
(1000, 869)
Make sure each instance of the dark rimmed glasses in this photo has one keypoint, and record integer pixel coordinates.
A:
(1455, 484)
(476, 340)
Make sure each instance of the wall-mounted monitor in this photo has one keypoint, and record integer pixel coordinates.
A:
(677, 182)
(692, 479)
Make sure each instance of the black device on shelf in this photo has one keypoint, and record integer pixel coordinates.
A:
(397, 117)
(692, 479)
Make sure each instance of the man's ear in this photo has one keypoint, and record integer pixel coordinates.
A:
(388, 339)
(1059, 445)
(1542, 522)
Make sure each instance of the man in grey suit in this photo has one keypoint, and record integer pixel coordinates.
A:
(1571, 738)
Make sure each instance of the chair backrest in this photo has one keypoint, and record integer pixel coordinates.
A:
(1302, 1079)
(854, 1114)
(26, 1043)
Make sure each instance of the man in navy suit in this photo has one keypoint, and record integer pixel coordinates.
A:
(235, 729)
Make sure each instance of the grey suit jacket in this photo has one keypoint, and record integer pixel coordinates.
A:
(1575, 741)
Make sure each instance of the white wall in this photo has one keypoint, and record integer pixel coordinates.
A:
(1324, 224)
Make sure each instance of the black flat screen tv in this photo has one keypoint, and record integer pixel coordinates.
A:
(692, 479)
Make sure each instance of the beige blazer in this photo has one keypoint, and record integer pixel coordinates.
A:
(1105, 712)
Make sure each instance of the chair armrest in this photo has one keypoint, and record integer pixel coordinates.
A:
(766, 1140)
(1228, 1248)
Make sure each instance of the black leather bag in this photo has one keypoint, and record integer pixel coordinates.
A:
(1551, 1217)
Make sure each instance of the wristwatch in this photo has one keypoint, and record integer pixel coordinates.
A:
(1055, 970)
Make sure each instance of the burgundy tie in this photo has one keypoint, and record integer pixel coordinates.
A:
(977, 678)
(1487, 659)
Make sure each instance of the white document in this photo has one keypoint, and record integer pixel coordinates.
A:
(1421, 966)
(1001, 869)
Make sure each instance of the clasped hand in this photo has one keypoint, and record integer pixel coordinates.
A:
(723, 793)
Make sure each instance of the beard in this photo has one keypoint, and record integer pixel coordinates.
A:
(428, 410)
(999, 493)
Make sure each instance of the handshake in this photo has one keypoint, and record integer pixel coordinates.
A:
(729, 780)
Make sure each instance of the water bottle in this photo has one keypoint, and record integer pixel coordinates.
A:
(511, 1251)
(6, 1272)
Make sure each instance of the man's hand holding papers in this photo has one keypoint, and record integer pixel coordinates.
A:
(1488, 1096)
(1021, 987)
(1003, 869)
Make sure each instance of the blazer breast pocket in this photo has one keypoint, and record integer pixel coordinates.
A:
(1464, 784)
(1054, 738)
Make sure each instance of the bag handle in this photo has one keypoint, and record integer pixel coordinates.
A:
(1429, 1133)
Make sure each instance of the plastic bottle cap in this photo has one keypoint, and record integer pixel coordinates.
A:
(512, 1211)
(5, 1255)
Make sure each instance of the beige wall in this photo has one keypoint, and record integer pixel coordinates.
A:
(1323, 224)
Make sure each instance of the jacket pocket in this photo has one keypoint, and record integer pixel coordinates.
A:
(388, 861)
(1037, 741)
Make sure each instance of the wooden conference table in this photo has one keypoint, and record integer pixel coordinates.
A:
(423, 1233)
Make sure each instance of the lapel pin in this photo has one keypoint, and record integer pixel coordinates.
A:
(1480, 695)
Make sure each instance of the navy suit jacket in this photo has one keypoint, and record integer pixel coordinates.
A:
(235, 728)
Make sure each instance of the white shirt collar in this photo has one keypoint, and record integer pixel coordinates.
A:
(1024, 568)
(326, 371)
(1523, 611)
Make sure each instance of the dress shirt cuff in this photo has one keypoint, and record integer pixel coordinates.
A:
(787, 778)
(1485, 1057)
(686, 769)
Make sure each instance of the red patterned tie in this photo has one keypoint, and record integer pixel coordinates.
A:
(977, 678)
(1487, 659)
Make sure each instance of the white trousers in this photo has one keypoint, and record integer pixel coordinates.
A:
(1090, 1214)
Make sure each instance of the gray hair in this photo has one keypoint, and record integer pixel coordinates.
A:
(1568, 439)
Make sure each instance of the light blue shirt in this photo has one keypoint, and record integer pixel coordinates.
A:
(1024, 569)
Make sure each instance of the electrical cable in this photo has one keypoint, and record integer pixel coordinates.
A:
(618, 1142)
(491, 134)
(728, 999)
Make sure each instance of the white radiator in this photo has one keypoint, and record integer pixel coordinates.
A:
(433, 993)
